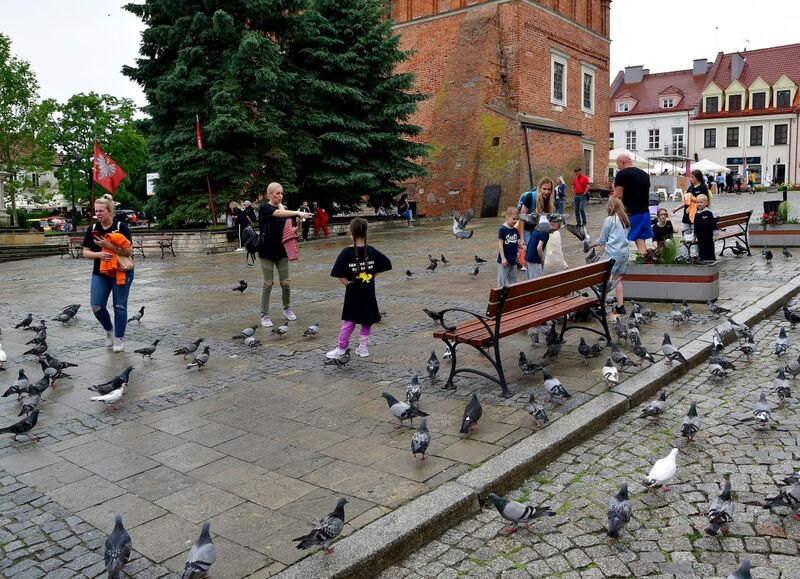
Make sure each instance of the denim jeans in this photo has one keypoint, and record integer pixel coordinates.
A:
(102, 287)
(560, 206)
(407, 215)
(580, 209)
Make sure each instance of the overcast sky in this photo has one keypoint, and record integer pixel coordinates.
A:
(81, 45)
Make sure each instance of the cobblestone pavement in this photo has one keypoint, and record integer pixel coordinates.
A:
(261, 442)
(665, 537)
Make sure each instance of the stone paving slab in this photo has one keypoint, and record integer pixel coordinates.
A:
(274, 418)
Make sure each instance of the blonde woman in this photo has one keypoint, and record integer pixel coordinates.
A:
(105, 279)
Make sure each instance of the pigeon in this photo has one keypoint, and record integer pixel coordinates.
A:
(433, 366)
(592, 256)
(762, 412)
(200, 360)
(610, 373)
(444, 261)
(3, 358)
(793, 367)
(113, 384)
(788, 497)
(479, 260)
(448, 354)
(241, 287)
(42, 325)
(420, 440)
(553, 350)
(72, 309)
(40, 385)
(786, 253)
(52, 374)
(409, 273)
(67, 314)
(432, 265)
(717, 341)
(766, 253)
(282, 329)
(19, 386)
(311, 331)
(148, 350)
(671, 353)
(620, 358)
(716, 310)
(137, 316)
(748, 348)
(41, 338)
(435, 316)
(691, 424)
(472, 414)
(554, 387)
(720, 513)
(38, 349)
(792, 479)
(459, 224)
(341, 361)
(717, 371)
(475, 271)
(599, 345)
(781, 343)
(30, 404)
(656, 408)
(54, 362)
(738, 250)
(190, 349)
(326, 530)
(251, 342)
(118, 549)
(247, 332)
(743, 572)
(619, 512)
(792, 317)
(576, 230)
(686, 311)
(24, 426)
(528, 367)
(401, 410)
(413, 392)
(675, 316)
(643, 354)
(551, 335)
(621, 329)
(201, 556)
(782, 389)
(26, 322)
(662, 472)
(537, 411)
(110, 398)
(517, 513)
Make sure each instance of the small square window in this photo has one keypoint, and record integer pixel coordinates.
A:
(495, 141)
(710, 138)
(732, 137)
(623, 107)
(667, 103)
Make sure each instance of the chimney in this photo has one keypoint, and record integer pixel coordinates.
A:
(737, 65)
(634, 74)
(699, 66)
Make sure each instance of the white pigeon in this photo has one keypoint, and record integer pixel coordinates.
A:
(662, 472)
(111, 397)
(446, 354)
(3, 358)
(610, 373)
(311, 331)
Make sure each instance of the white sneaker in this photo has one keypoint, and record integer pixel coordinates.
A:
(337, 352)
(362, 351)
(265, 321)
(289, 314)
(238, 249)
(119, 345)
(109, 339)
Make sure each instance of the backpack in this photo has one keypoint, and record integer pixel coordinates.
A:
(522, 198)
(251, 242)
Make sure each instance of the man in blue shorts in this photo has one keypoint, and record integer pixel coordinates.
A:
(632, 185)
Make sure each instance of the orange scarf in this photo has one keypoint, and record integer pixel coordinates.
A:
(109, 267)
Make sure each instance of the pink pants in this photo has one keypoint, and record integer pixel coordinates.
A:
(347, 331)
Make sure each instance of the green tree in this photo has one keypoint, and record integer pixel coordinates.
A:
(218, 61)
(348, 118)
(24, 138)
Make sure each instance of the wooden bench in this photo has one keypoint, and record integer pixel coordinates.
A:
(163, 242)
(73, 246)
(734, 226)
(526, 305)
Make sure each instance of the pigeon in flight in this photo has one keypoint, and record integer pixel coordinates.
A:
(113, 384)
(720, 513)
(691, 424)
(420, 440)
(610, 373)
(24, 426)
(148, 350)
(460, 223)
(201, 556)
(326, 530)
(413, 392)
(554, 387)
(656, 408)
(619, 513)
(662, 472)
(401, 410)
(111, 398)
(781, 342)
(241, 287)
(246, 333)
(517, 513)
(671, 353)
(792, 317)
(537, 411)
(26, 322)
(311, 331)
(137, 316)
(190, 349)
(432, 367)
(19, 386)
(782, 388)
(341, 361)
(118, 549)
(472, 414)
(716, 310)
(200, 360)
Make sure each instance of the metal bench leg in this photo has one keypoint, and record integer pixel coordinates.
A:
(449, 384)
(505, 393)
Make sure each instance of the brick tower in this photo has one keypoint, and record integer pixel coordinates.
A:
(518, 89)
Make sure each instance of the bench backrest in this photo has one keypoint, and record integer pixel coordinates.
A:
(740, 218)
(543, 288)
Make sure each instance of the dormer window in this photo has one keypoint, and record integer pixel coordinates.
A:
(667, 103)
(782, 98)
(623, 107)
(759, 100)
(712, 104)
(735, 102)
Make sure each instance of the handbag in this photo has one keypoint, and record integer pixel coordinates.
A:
(124, 262)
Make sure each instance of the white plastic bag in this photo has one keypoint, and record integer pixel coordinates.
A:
(554, 255)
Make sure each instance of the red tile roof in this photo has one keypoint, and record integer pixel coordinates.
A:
(768, 63)
(746, 113)
(648, 92)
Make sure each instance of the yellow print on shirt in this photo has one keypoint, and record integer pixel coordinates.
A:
(366, 277)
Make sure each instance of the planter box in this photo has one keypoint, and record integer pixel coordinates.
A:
(774, 235)
(672, 283)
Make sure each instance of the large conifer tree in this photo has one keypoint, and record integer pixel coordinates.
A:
(348, 121)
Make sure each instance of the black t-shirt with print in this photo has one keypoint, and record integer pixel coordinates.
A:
(88, 239)
(360, 265)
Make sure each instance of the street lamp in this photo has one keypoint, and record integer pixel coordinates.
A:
(72, 158)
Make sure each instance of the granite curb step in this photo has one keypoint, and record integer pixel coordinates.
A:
(375, 547)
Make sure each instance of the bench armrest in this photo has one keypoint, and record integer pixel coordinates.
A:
(481, 318)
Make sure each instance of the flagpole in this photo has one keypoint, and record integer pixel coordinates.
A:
(205, 164)
(94, 165)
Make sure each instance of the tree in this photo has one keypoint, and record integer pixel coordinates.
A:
(24, 146)
(348, 118)
(219, 62)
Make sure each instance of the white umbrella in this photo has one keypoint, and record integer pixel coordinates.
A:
(638, 161)
(707, 166)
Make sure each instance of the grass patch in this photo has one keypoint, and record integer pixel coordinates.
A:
(577, 478)
(524, 496)
(519, 566)
(565, 507)
(480, 562)
(543, 480)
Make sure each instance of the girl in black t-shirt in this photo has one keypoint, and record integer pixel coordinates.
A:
(663, 228)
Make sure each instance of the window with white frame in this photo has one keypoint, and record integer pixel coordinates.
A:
(667, 103)
(630, 140)
(653, 139)
(782, 98)
(587, 92)
(611, 140)
(623, 107)
(709, 138)
(558, 78)
(759, 100)
(712, 104)
(588, 161)
(677, 141)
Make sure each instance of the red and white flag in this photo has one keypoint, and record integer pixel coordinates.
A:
(199, 135)
(106, 172)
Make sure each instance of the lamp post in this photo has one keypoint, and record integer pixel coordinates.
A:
(5, 219)
(72, 157)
